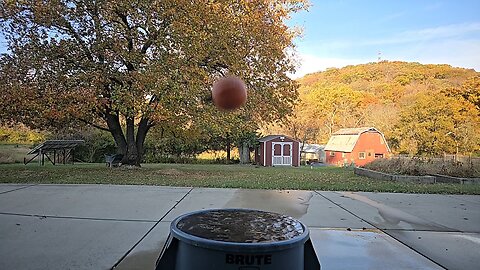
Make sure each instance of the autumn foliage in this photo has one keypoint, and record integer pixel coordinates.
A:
(422, 109)
(128, 66)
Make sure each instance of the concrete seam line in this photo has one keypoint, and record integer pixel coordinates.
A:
(18, 189)
(75, 218)
(384, 231)
(398, 230)
(151, 229)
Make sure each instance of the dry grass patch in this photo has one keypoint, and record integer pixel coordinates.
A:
(13, 153)
(418, 166)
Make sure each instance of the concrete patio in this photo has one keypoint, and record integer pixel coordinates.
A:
(125, 227)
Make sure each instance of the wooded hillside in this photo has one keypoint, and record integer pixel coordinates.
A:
(421, 109)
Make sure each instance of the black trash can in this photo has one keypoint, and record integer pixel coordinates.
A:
(239, 239)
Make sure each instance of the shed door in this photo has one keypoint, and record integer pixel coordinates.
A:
(281, 154)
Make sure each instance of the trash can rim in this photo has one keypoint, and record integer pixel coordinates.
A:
(234, 246)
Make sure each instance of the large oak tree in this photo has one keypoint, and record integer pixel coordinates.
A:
(125, 66)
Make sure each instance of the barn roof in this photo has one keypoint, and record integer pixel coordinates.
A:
(312, 148)
(272, 137)
(354, 131)
(344, 140)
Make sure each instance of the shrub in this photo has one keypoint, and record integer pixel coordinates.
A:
(420, 166)
(20, 134)
(97, 143)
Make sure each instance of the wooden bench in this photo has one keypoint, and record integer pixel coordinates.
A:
(113, 160)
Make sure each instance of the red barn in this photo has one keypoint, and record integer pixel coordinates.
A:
(356, 145)
(277, 150)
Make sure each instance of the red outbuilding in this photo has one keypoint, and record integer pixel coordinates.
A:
(356, 145)
(277, 150)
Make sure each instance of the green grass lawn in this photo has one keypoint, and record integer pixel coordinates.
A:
(220, 176)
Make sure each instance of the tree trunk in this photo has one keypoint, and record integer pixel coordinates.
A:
(244, 153)
(132, 152)
(113, 123)
(143, 128)
(228, 149)
(301, 149)
(130, 146)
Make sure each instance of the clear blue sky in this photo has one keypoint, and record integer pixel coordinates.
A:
(343, 32)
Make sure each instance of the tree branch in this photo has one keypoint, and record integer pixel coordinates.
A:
(78, 38)
(151, 124)
(129, 38)
(149, 42)
(146, 46)
(97, 27)
(93, 124)
(113, 79)
(152, 99)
